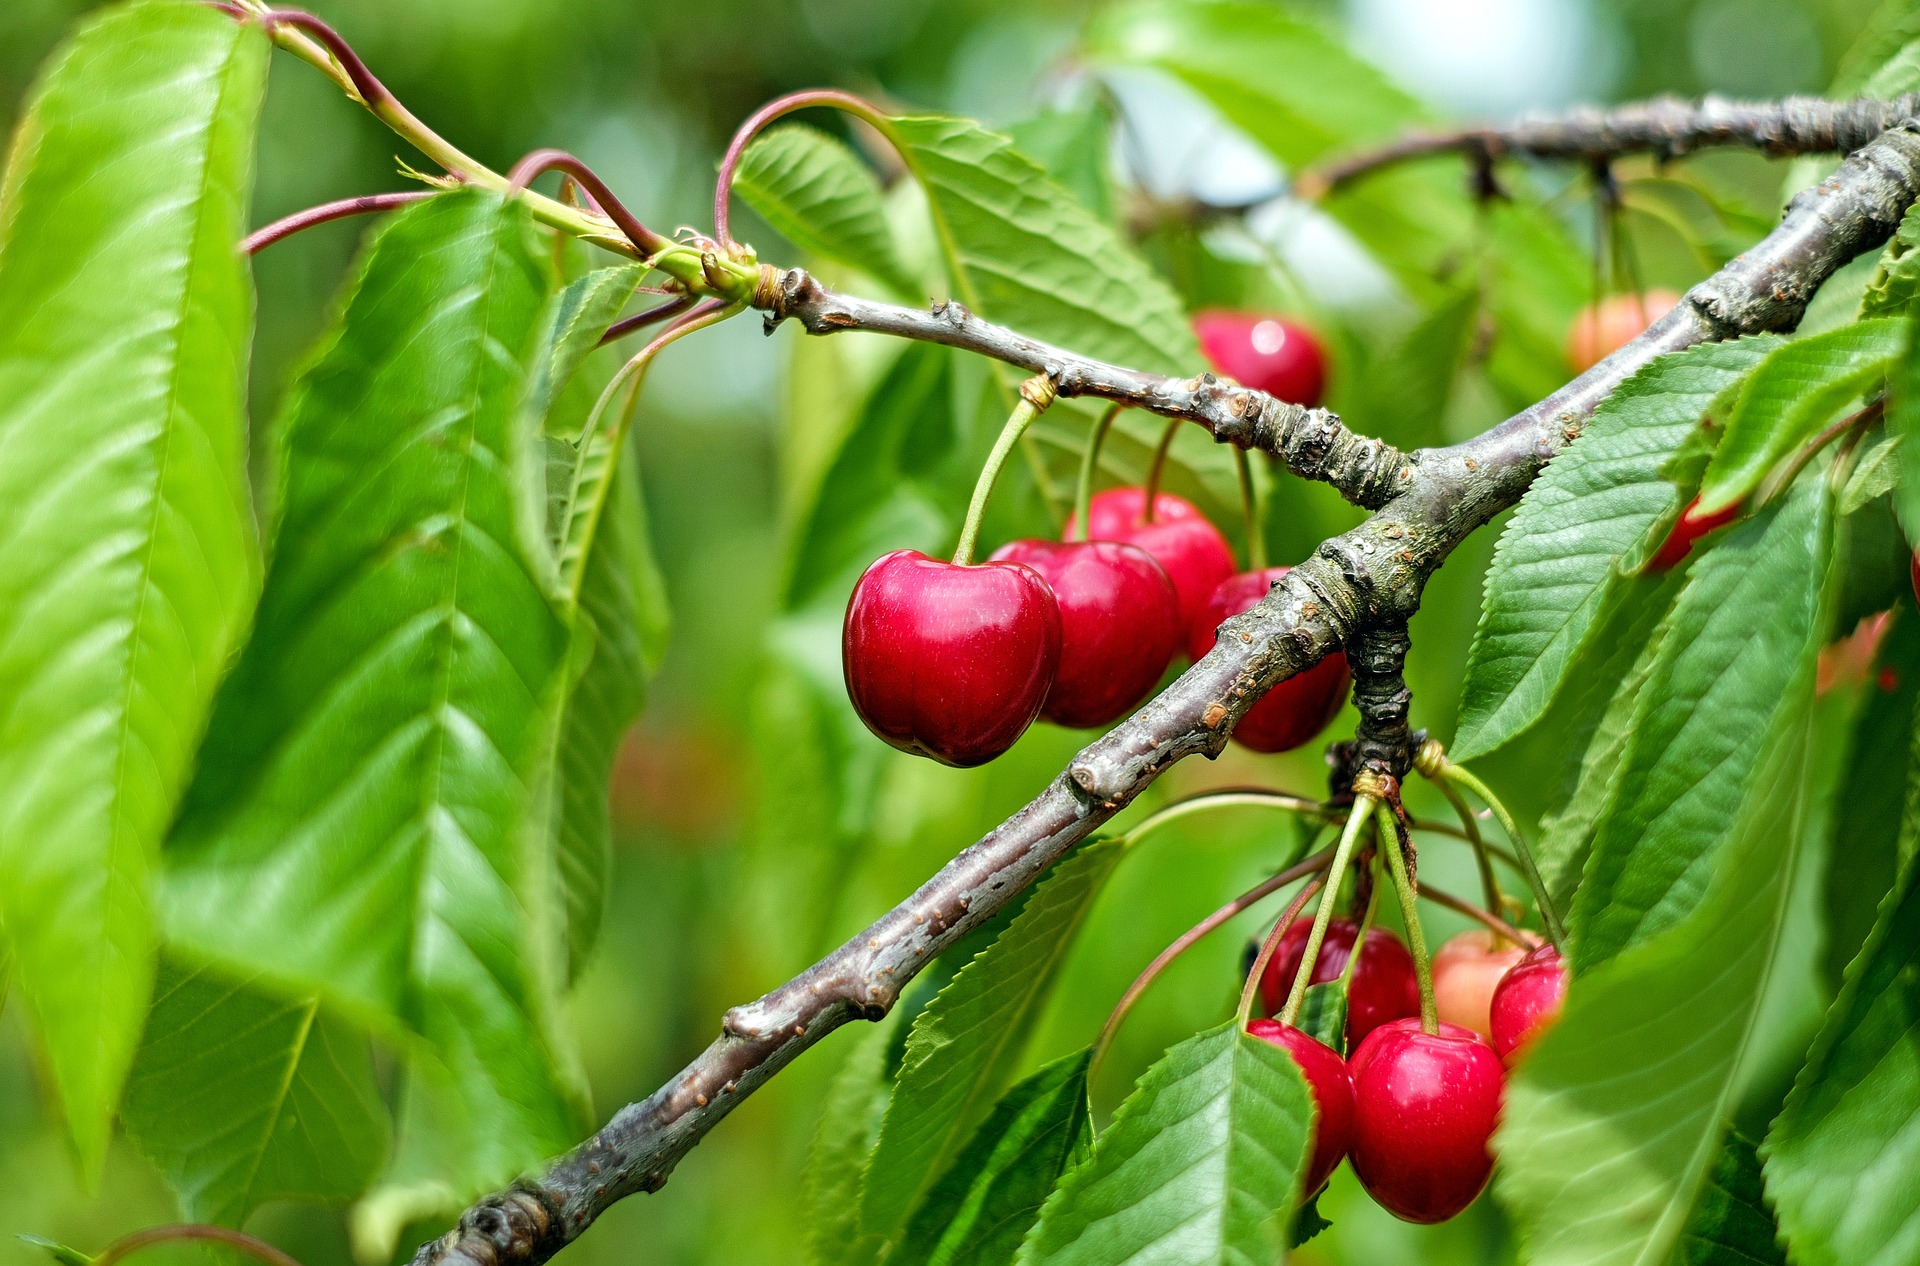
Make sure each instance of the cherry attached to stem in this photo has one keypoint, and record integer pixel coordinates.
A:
(1294, 710)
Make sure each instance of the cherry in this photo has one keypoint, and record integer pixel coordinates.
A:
(1913, 572)
(1267, 353)
(1119, 625)
(1332, 1089)
(1296, 709)
(1528, 1001)
(1602, 328)
(947, 660)
(1424, 1107)
(1466, 971)
(1384, 987)
(1191, 550)
(1690, 527)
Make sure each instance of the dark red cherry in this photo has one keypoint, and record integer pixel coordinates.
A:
(1527, 1001)
(1326, 1075)
(1384, 987)
(1119, 625)
(1296, 709)
(1267, 353)
(1690, 527)
(1913, 572)
(1424, 1107)
(1191, 550)
(949, 661)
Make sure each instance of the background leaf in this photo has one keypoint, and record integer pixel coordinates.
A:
(820, 196)
(1732, 1225)
(856, 1103)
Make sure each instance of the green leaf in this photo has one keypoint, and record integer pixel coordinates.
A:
(1614, 1121)
(128, 554)
(1786, 401)
(818, 195)
(1072, 145)
(980, 1211)
(1895, 283)
(1323, 1013)
(1843, 1157)
(1558, 566)
(837, 1164)
(240, 1096)
(1732, 1225)
(1903, 423)
(964, 1045)
(1201, 1165)
(376, 774)
(59, 1252)
(1724, 671)
(1308, 1223)
(1873, 476)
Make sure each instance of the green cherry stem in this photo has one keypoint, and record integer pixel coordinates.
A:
(1036, 393)
(1556, 930)
(1251, 989)
(1489, 884)
(1089, 461)
(1250, 509)
(1156, 466)
(1226, 798)
(1410, 914)
(1363, 807)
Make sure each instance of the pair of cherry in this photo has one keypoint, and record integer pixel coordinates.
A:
(1414, 1111)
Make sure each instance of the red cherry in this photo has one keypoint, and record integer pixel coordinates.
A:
(949, 661)
(1466, 971)
(1296, 709)
(1690, 527)
(1603, 328)
(1528, 1001)
(1424, 1107)
(1384, 987)
(1196, 557)
(1267, 353)
(1913, 571)
(1119, 625)
(1326, 1075)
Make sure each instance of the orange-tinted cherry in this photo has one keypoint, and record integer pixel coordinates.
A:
(1191, 550)
(1528, 1001)
(1268, 353)
(946, 660)
(1688, 528)
(1296, 709)
(1466, 971)
(1424, 1107)
(1384, 987)
(1603, 328)
(1332, 1089)
(1119, 625)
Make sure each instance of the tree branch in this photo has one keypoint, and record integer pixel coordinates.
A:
(1370, 577)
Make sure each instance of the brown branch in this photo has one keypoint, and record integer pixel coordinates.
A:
(1370, 577)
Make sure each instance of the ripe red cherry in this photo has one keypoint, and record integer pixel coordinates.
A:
(1690, 527)
(1528, 1001)
(1119, 625)
(1191, 550)
(1466, 971)
(1424, 1107)
(1296, 709)
(1267, 353)
(1913, 571)
(1326, 1075)
(1603, 328)
(949, 661)
(1384, 987)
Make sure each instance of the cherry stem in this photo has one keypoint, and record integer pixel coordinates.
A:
(1489, 884)
(127, 1245)
(1089, 460)
(1783, 478)
(858, 107)
(1156, 466)
(1250, 510)
(541, 161)
(706, 313)
(1258, 970)
(640, 320)
(1363, 806)
(1492, 922)
(371, 204)
(1556, 930)
(1391, 844)
(1036, 393)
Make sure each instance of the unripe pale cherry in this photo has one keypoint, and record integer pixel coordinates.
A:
(1119, 625)
(1383, 988)
(947, 660)
(1268, 353)
(1424, 1109)
(1332, 1090)
(1528, 1001)
(1296, 709)
(1600, 329)
(1688, 528)
(1466, 971)
(1180, 538)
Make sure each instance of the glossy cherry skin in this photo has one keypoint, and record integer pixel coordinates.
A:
(1119, 625)
(1190, 549)
(948, 661)
(1384, 987)
(1466, 971)
(1424, 1108)
(1528, 1001)
(1913, 572)
(1332, 1089)
(1280, 357)
(1603, 328)
(1688, 528)
(1296, 709)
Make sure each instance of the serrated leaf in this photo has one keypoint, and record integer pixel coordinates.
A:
(991, 1195)
(1873, 476)
(1732, 1225)
(837, 1162)
(1308, 1223)
(1323, 1014)
(239, 1096)
(128, 555)
(1725, 670)
(1201, 1165)
(965, 1043)
(1895, 283)
(376, 774)
(818, 195)
(1903, 423)
(1843, 1156)
(1557, 567)
(1786, 401)
(1072, 145)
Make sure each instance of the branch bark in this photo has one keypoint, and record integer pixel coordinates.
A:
(1368, 578)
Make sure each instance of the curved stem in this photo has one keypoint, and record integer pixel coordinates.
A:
(1250, 509)
(1390, 844)
(127, 1245)
(1492, 922)
(1154, 468)
(1036, 393)
(1556, 930)
(1258, 968)
(540, 161)
(858, 107)
(640, 320)
(1089, 460)
(327, 212)
(1489, 884)
(1362, 807)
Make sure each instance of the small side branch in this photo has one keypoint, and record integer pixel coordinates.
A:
(1385, 741)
